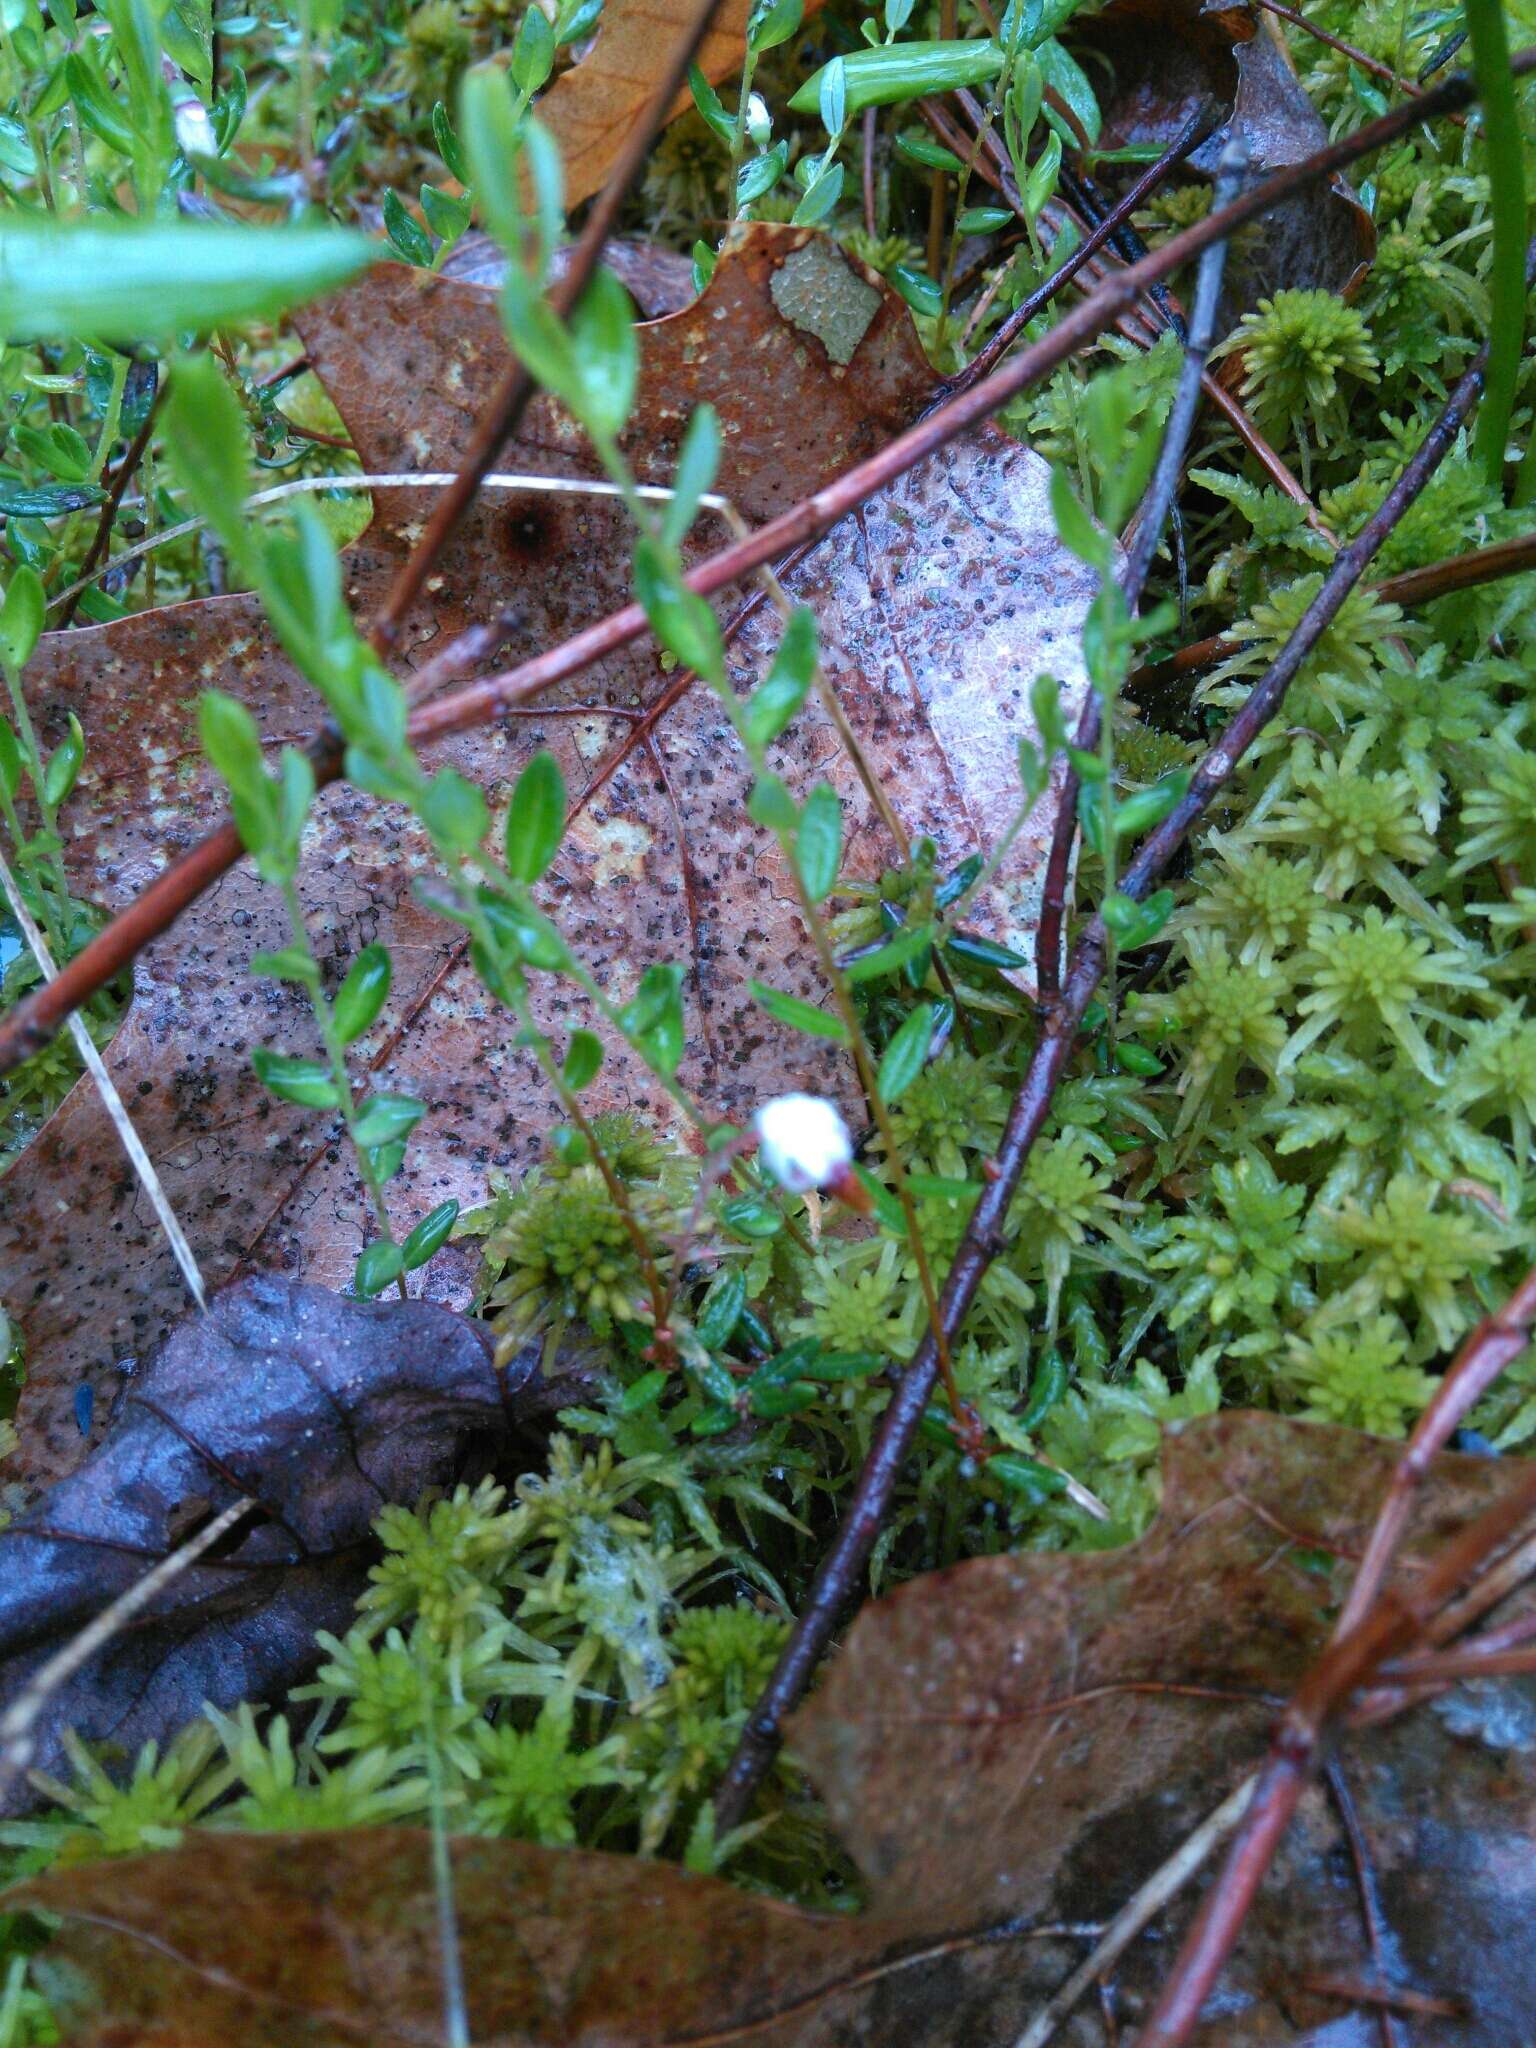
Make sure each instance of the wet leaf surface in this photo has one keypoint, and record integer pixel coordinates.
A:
(321, 1410)
(811, 365)
(1009, 1748)
(1164, 56)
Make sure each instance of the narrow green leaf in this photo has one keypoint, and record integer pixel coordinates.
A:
(430, 1235)
(722, 1308)
(363, 994)
(206, 433)
(295, 1080)
(893, 954)
(385, 1119)
(535, 819)
(801, 1016)
(819, 841)
(378, 1264)
(904, 1058)
(21, 617)
(583, 1058)
(904, 71)
(64, 764)
(120, 281)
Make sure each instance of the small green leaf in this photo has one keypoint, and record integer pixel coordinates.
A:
(761, 174)
(583, 1057)
(921, 293)
(64, 764)
(295, 1080)
(904, 71)
(653, 1017)
(448, 145)
(982, 220)
(801, 1016)
(533, 53)
(704, 261)
(770, 805)
(378, 1264)
(893, 954)
(232, 743)
(986, 952)
(707, 100)
(832, 95)
(121, 280)
(21, 617)
(1074, 528)
(782, 691)
(819, 841)
(772, 22)
(928, 155)
(385, 1119)
(535, 819)
(1133, 924)
(680, 619)
(904, 1058)
(1045, 1390)
(750, 1216)
(1040, 185)
(491, 140)
(607, 355)
(206, 433)
(407, 236)
(1026, 1476)
(843, 1365)
(697, 463)
(363, 994)
(822, 194)
(454, 811)
(722, 1308)
(290, 964)
(430, 1235)
(10, 761)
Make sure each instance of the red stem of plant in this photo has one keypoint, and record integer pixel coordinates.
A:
(986, 1234)
(120, 481)
(32, 1022)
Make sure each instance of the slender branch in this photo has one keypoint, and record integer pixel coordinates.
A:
(1138, 562)
(1372, 65)
(499, 420)
(101, 539)
(986, 1234)
(1413, 586)
(31, 1023)
(1189, 138)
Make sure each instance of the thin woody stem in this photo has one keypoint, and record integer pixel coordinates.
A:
(987, 1233)
(29, 1026)
(1138, 562)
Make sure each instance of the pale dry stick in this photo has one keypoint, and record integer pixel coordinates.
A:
(18, 1725)
(1165, 1883)
(392, 480)
(111, 1101)
(986, 1233)
(30, 1024)
(1156, 505)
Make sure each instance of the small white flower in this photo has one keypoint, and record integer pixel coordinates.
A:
(759, 121)
(803, 1142)
(194, 130)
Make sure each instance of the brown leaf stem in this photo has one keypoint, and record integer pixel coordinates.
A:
(121, 478)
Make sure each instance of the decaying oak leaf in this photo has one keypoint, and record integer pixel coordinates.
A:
(810, 365)
(319, 1409)
(1009, 1748)
(1163, 58)
(591, 108)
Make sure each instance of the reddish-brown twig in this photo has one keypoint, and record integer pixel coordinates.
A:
(499, 420)
(986, 1234)
(1189, 137)
(1133, 575)
(31, 1023)
(1372, 65)
(1347, 1664)
(1413, 586)
(1496, 1342)
(121, 477)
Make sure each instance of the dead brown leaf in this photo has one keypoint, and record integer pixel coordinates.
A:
(320, 1410)
(811, 366)
(591, 107)
(1165, 57)
(1009, 1748)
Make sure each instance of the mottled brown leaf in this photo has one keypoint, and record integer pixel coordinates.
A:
(1009, 1748)
(591, 107)
(320, 1410)
(940, 606)
(1164, 57)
